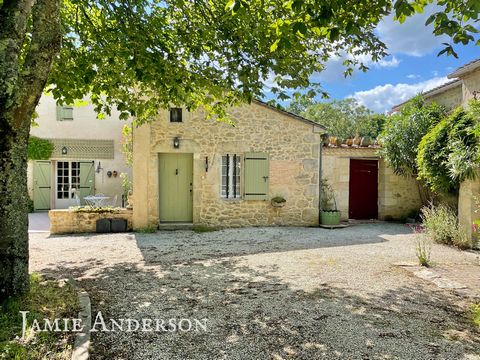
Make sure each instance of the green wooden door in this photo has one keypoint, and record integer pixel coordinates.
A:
(256, 176)
(176, 187)
(42, 171)
(87, 180)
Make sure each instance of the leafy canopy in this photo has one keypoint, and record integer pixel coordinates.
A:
(403, 132)
(343, 118)
(141, 55)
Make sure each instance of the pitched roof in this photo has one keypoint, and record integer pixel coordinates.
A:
(436, 90)
(290, 114)
(462, 70)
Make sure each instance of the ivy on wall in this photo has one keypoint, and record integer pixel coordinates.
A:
(39, 149)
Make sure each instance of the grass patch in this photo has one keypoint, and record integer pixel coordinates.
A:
(475, 310)
(147, 230)
(44, 300)
(204, 229)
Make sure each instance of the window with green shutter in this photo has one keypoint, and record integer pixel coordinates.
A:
(64, 112)
(256, 176)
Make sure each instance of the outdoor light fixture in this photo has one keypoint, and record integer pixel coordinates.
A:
(64, 150)
(176, 142)
(206, 163)
(99, 167)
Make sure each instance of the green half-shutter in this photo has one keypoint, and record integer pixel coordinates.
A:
(87, 179)
(64, 112)
(42, 171)
(256, 176)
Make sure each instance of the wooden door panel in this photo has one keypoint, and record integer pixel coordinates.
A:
(363, 189)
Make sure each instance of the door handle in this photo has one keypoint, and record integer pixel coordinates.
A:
(265, 178)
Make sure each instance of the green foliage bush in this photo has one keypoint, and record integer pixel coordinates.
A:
(448, 153)
(403, 132)
(441, 224)
(39, 149)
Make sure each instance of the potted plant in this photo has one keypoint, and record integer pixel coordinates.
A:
(329, 214)
(278, 201)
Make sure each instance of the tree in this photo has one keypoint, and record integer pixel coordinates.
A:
(343, 118)
(142, 55)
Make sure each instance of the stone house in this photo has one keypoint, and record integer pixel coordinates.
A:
(190, 170)
(187, 169)
(463, 87)
(86, 159)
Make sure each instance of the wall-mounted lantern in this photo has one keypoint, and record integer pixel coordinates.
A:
(206, 163)
(176, 142)
(64, 150)
(99, 167)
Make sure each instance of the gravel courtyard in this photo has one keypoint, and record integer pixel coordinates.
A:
(267, 293)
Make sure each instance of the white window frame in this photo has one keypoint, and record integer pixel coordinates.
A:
(232, 195)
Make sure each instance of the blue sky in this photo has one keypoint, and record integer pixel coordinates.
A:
(412, 66)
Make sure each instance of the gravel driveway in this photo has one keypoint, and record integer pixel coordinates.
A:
(267, 293)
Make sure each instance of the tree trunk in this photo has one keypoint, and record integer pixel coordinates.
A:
(24, 70)
(13, 211)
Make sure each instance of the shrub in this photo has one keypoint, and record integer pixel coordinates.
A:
(39, 149)
(147, 230)
(475, 311)
(403, 132)
(441, 224)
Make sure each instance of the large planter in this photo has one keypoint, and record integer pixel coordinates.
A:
(330, 217)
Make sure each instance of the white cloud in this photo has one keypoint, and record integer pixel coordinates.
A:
(334, 67)
(383, 97)
(412, 37)
(413, 76)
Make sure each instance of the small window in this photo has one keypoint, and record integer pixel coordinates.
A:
(175, 114)
(64, 112)
(230, 177)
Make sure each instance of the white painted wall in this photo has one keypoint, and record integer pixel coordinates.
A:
(86, 126)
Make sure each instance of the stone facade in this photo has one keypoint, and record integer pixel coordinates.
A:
(397, 196)
(64, 221)
(293, 146)
(450, 98)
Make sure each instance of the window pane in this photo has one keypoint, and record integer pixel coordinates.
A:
(176, 115)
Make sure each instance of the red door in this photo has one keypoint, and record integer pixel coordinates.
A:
(363, 195)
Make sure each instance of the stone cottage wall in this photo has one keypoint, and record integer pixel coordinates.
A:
(293, 146)
(397, 196)
(65, 221)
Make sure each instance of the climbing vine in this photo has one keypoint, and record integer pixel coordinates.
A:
(449, 154)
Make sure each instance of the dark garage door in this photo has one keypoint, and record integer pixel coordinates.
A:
(363, 193)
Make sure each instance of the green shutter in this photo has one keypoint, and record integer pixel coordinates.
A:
(64, 112)
(256, 176)
(87, 179)
(41, 185)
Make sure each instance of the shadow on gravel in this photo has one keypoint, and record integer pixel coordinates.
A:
(170, 247)
(253, 315)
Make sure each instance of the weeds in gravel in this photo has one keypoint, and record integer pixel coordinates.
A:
(475, 310)
(423, 249)
(44, 300)
(204, 229)
(441, 224)
(147, 230)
